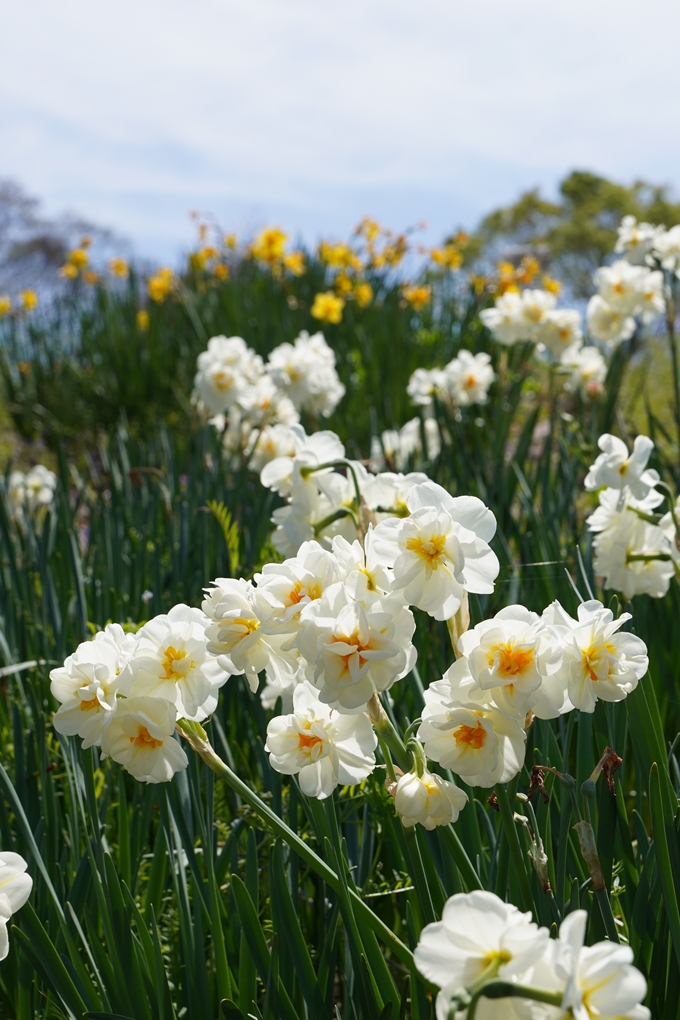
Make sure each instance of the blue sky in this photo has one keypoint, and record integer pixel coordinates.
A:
(312, 113)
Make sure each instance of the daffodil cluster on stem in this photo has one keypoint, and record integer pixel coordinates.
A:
(332, 628)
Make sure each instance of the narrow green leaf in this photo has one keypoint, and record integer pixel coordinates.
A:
(257, 942)
(663, 860)
(230, 1010)
(292, 933)
(36, 944)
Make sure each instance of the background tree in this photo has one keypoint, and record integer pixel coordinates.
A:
(575, 234)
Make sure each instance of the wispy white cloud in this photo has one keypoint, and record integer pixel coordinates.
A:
(314, 112)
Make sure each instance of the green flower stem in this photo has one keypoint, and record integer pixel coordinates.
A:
(395, 511)
(670, 496)
(307, 471)
(647, 558)
(498, 989)
(458, 624)
(343, 511)
(650, 518)
(391, 774)
(197, 738)
(516, 855)
(387, 733)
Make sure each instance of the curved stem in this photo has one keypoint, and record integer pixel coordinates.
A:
(650, 518)
(343, 511)
(668, 493)
(386, 731)
(307, 471)
(197, 738)
(389, 765)
(507, 989)
(645, 558)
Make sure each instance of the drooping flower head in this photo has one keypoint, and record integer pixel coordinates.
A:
(140, 737)
(427, 800)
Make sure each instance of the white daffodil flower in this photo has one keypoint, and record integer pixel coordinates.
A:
(225, 369)
(425, 384)
(360, 568)
(171, 660)
(598, 660)
(468, 378)
(324, 747)
(652, 300)
(635, 240)
(621, 285)
(506, 319)
(305, 371)
(140, 737)
(464, 730)
(386, 493)
(666, 248)
(355, 649)
(560, 331)
(15, 888)
(607, 324)
(478, 934)
(613, 508)
(318, 509)
(89, 682)
(537, 305)
(587, 371)
(32, 491)
(271, 442)
(515, 657)
(245, 635)
(310, 451)
(626, 552)
(297, 581)
(440, 550)
(406, 445)
(275, 689)
(616, 468)
(263, 400)
(427, 800)
(667, 525)
(600, 980)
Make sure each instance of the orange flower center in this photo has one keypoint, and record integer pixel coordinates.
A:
(473, 736)
(172, 656)
(299, 592)
(144, 739)
(307, 740)
(353, 639)
(512, 661)
(85, 706)
(429, 549)
(222, 381)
